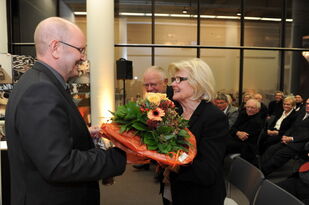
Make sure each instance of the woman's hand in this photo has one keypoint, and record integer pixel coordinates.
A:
(272, 132)
(94, 131)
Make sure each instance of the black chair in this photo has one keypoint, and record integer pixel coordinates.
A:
(270, 193)
(246, 177)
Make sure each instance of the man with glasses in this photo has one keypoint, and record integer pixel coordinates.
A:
(155, 80)
(52, 156)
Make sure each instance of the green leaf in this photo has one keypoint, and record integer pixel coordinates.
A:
(168, 137)
(164, 130)
(123, 128)
(139, 126)
(150, 141)
(183, 133)
(164, 148)
(152, 147)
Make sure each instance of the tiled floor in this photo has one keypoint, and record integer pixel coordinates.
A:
(138, 187)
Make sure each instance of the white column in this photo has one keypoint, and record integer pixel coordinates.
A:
(100, 49)
(123, 33)
(3, 28)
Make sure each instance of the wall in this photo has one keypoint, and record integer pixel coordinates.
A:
(26, 15)
(3, 28)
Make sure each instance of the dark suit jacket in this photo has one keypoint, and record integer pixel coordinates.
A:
(202, 182)
(285, 124)
(251, 124)
(275, 108)
(52, 157)
(300, 133)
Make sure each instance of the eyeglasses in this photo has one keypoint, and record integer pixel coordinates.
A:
(178, 79)
(81, 50)
(146, 85)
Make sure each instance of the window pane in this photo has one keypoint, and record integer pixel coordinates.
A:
(261, 72)
(262, 23)
(220, 24)
(175, 31)
(299, 13)
(141, 59)
(175, 23)
(166, 56)
(224, 64)
(133, 22)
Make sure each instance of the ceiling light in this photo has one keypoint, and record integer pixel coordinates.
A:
(80, 13)
(184, 11)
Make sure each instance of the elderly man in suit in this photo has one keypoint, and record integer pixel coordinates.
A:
(245, 131)
(221, 101)
(52, 156)
(292, 142)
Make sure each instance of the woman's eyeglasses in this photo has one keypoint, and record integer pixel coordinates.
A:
(178, 79)
(81, 50)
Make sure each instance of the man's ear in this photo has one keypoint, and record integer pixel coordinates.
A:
(166, 81)
(54, 48)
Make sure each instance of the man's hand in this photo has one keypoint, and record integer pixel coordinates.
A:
(286, 139)
(242, 135)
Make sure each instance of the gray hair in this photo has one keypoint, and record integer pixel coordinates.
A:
(222, 96)
(258, 104)
(157, 69)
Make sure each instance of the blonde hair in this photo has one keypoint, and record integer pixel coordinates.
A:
(290, 98)
(200, 77)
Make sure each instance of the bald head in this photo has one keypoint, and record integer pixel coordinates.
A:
(61, 45)
(53, 28)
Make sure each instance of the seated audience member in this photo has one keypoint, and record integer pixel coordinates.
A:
(264, 110)
(245, 98)
(275, 107)
(299, 102)
(244, 133)
(298, 183)
(278, 125)
(231, 99)
(292, 143)
(221, 101)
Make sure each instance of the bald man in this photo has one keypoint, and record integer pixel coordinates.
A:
(51, 154)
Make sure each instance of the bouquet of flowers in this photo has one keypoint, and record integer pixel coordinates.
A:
(151, 128)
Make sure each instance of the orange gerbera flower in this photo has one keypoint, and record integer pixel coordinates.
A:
(156, 114)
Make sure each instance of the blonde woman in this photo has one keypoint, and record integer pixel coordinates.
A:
(201, 182)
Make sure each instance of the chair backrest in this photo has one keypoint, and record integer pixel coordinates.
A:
(246, 177)
(270, 193)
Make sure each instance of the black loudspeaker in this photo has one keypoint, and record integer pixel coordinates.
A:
(124, 69)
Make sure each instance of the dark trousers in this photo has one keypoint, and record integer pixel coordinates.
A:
(247, 150)
(267, 141)
(297, 187)
(275, 157)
